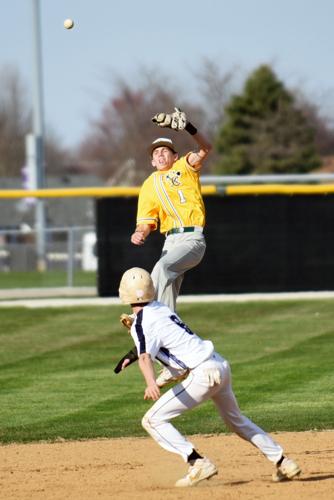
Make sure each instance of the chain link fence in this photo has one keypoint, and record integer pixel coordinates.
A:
(70, 257)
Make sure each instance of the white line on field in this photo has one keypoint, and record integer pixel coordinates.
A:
(34, 303)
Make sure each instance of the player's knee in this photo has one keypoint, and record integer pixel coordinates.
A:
(165, 269)
(149, 422)
(145, 422)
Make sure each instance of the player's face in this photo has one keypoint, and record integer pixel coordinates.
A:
(163, 158)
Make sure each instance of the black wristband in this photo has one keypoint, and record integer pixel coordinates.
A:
(190, 129)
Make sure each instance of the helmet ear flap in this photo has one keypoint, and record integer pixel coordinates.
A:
(136, 286)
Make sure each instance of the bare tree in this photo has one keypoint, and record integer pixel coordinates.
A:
(116, 146)
(322, 126)
(14, 122)
(119, 139)
(215, 88)
(58, 159)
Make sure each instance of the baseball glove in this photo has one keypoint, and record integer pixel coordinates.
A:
(126, 320)
(176, 121)
(169, 375)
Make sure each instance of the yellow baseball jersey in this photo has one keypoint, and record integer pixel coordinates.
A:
(172, 198)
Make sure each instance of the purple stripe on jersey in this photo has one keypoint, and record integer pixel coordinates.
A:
(140, 332)
(165, 351)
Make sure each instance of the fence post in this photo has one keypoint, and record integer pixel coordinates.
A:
(70, 259)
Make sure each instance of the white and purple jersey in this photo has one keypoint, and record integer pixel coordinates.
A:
(159, 332)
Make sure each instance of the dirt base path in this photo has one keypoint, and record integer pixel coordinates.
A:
(137, 468)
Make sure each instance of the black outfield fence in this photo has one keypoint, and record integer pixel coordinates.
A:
(267, 243)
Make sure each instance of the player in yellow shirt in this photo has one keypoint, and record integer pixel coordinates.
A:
(171, 195)
(171, 199)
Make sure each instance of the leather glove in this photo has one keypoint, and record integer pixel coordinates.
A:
(169, 375)
(176, 120)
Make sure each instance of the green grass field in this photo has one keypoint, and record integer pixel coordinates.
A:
(57, 380)
(34, 279)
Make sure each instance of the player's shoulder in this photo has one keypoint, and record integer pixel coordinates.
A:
(183, 164)
(180, 162)
(154, 307)
(156, 310)
(147, 186)
(148, 179)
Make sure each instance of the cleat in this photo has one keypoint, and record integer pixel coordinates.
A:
(127, 320)
(202, 469)
(287, 470)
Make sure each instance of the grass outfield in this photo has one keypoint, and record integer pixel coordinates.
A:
(34, 279)
(57, 380)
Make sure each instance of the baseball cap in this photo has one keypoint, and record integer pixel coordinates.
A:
(160, 142)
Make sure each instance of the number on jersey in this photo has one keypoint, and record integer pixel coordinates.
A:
(181, 324)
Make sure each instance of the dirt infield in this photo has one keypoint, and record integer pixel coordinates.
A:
(139, 469)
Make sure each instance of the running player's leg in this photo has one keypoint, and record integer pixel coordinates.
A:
(190, 393)
(228, 408)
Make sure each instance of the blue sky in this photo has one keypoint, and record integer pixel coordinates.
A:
(117, 38)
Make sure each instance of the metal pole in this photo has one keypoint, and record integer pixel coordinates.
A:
(70, 256)
(38, 130)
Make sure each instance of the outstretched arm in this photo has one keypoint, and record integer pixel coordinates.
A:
(196, 158)
(178, 121)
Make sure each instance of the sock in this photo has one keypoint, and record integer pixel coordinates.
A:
(193, 456)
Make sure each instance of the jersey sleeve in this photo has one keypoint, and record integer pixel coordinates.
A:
(183, 165)
(148, 211)
(193, 168)
(144, 338)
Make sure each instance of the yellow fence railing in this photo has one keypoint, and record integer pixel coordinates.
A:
(93, 192)
(232, 190)
(285, 189)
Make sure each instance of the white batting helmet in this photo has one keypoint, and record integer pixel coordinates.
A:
(136, 286)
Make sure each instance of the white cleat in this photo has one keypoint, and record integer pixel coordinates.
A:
(202, 469)
(287, 470)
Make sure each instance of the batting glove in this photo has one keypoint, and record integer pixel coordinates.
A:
(213, 376)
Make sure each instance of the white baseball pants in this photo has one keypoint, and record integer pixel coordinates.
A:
(181, 252)
(194, 390)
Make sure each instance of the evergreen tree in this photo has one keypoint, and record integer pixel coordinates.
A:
(264, 131)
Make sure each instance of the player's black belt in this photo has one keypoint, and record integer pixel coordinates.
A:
(188, 229)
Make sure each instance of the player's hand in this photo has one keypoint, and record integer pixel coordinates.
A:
(125, 363)
(176, 121)
(152, 392)
(138, 238)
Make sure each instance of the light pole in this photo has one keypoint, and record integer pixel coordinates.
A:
(37, 142)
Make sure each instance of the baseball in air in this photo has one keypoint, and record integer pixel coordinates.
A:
(68, 24)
